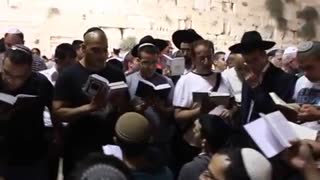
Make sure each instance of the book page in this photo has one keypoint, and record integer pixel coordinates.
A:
(113, 150)
(7, 98)
(278, 101)
(281, 128)
(102, 79)
(262, 135)
(26, 96)
(162, 86)
(304, 132)
(177, 66)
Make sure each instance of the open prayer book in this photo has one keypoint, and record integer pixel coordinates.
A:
(216, 98)
(176, 66)
(290, 110)
(96, 82)
(148, 89)
(12, 100)
(273, 133)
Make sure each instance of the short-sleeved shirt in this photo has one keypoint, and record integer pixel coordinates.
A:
(163, 130)
(193, 82)
(307, 92)
(23, 133)
(69, 88)
(233, 82)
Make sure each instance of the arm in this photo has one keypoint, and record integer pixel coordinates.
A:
(63, 111)
(186, 116)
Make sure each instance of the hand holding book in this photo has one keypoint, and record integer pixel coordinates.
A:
(308, 113)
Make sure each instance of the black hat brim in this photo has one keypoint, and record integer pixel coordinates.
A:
(187, 36)
(247, 47)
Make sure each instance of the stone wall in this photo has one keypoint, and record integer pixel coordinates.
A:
(47, 23)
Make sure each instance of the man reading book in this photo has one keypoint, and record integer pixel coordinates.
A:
(23, 144)
(307, 91)
(89, 125)
(261, 78)
(201, 79)
(157, 107)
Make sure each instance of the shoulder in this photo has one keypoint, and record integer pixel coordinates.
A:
(41, 80)
(132, 76)
(303, 80)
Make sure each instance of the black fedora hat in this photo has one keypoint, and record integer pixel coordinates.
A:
(145, 39)
(187, 36)
(251, 40)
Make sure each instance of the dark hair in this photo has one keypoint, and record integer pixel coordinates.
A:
(149, 49)
(132, 149)
(236, 170)
(215, 131)
(116, 51)
(36, 49)
(20, 35)
(2, 45)
(205, 43)
(76, 44)
(93, 29)
(95, 159)
(115, 63)
(64, 50)
(19, 55)
(127, 58)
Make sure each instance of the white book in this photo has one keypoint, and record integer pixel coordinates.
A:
(7, 98)
(113, 150)
(273, 133)
(176, 66)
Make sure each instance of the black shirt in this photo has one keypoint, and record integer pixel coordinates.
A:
(86, 130)
(22, 133)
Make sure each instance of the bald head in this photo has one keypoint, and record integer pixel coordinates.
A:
(95, 48)
(96, 35)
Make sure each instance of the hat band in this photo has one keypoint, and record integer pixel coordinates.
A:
(145, 44)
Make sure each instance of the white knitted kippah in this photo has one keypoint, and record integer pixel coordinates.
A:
(256, 165)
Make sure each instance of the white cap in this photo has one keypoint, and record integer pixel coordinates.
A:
(256, 165)
(13, 31)
(289, 54)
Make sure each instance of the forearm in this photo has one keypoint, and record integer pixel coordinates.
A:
(69, 114)
(184, 116)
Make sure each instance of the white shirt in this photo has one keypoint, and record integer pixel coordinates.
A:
(193, 82)
(51, 74)
(307, 92)
(233, 83)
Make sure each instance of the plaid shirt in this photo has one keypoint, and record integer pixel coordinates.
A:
(38, 64)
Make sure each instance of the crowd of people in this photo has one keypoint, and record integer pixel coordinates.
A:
(54, 124)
